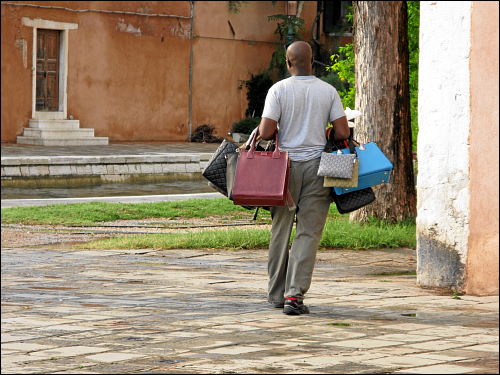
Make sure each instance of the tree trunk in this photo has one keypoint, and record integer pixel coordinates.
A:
(382, 95)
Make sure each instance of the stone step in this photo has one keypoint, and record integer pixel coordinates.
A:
(54, 124)
(93, 141)
(59, 134)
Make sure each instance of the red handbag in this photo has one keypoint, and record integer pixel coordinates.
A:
(261, 177)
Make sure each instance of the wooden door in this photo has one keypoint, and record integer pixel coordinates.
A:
(47, 70)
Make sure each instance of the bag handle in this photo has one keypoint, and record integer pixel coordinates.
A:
(348, 143)
(276, 152)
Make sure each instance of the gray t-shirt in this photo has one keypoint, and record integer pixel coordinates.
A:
(302, 106)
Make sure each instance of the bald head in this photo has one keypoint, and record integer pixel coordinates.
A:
(299, 58)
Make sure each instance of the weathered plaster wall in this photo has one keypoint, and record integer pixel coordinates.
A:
(128, 75)
(227, 49)
(482, 259)
(443, 143)
(16, 44)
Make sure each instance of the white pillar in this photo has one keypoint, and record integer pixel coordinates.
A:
(443, 142)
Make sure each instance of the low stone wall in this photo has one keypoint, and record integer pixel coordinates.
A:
(15, 170)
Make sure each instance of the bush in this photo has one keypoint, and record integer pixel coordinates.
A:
(246, 126)
(257, 86)
(333, 79)
(203, 134)
(343, 65)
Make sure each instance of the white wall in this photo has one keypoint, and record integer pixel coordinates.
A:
(444, 120)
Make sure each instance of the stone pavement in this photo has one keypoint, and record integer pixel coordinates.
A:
(68, 311)
(118, 148)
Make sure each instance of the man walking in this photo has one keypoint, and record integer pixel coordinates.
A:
(300, 107)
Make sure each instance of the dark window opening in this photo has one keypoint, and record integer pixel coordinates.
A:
(334, 17)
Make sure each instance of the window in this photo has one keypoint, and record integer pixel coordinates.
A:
(334, 21)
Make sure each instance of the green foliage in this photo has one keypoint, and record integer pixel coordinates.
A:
(287, 26)
(344, 25)
(413, 45)
(343, 65)
(246, 126)
(349, 16)
(257, 88)
(455, 294)
(341, 72)
(277, 63)
(333, 79)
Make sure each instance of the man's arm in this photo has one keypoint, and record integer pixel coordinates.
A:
(341, 128)
(267, 128)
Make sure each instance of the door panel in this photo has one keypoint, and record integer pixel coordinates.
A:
(47, 70)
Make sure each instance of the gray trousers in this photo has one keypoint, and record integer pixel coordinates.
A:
(290, 270)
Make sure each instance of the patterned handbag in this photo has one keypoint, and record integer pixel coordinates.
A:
(336, 164)
(215, 171)
(354, 200)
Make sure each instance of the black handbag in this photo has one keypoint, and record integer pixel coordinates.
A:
(232, 160)
(215, 171)
(354, 200)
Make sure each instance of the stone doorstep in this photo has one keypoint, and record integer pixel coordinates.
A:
(67, 134)
(54, 124)
(91, 141)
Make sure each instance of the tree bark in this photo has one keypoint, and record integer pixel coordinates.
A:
(382, 95)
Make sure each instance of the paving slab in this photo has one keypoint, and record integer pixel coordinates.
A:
(204, 311)
(113, 149)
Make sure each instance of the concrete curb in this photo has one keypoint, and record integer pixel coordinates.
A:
(78, 166)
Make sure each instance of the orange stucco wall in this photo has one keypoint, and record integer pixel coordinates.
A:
(128, 75)
(482, 258)
(222, 60)
(16, 76)
(126, 84)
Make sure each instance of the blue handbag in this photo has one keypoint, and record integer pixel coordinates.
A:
(374, 168)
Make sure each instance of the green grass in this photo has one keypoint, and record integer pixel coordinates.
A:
(100, 212)
(339, 324)
(338, 232)
(232, 239)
